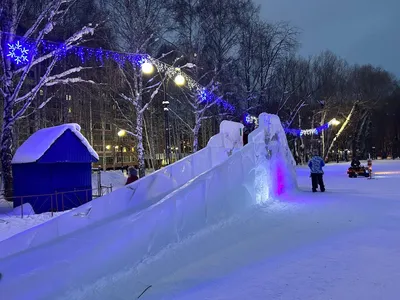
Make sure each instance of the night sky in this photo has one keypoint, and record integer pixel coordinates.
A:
(361, 31)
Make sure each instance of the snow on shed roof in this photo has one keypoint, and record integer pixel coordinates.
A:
(39, 142)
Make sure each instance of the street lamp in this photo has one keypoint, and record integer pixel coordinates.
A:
(334, 122)
(179, 80)
(167, 135)
(147, 68)
(121, 134)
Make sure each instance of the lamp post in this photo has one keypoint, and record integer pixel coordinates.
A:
(121, 134)
(167, 136)
(148, 68)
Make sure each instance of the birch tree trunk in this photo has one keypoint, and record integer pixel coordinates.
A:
(7, 141)
(91, 120)
(342, 128)
(140, 147)
(196, 129)
(323, 117)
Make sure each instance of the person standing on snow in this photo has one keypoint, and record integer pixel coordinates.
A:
(132, 176)
(315, 164)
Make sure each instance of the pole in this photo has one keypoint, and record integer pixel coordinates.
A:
(122, 158)
(166, 120)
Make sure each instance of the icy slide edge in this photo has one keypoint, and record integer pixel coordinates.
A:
(130, 199)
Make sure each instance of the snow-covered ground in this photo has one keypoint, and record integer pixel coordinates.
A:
(342, 244)
(11, 222)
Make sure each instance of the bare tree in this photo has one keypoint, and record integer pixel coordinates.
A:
(137, 26)
(207, 34)
(264, 48)
(18, 95)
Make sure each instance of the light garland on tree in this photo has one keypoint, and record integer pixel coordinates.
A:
(249, 119)
(18, 53)
(313, 131)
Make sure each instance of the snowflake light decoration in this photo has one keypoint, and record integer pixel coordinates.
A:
(18, 52)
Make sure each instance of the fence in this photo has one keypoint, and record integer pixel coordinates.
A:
(56, 200)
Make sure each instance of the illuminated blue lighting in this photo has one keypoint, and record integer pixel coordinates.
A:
(249, 119)
(302, 132)
(205, 96)
(18, 52)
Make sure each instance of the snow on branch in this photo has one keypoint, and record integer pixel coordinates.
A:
(48, 12)
(69, 81)
(155, 92)
(43, 104)
(48, 81)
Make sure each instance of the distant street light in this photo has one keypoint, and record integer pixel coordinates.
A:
(179, 80)
(121, 133)
(334, 122)
(147, 68)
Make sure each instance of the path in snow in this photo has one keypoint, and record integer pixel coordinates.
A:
(343, 244)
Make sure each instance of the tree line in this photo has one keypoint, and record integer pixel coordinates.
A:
(224, 45)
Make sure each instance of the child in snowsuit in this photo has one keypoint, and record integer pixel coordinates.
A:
(132, 176)
(315, 164)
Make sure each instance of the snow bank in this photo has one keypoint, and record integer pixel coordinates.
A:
(116, 179)
(39, 142)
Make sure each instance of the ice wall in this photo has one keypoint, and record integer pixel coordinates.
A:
(257, 172)
(128, 200)
(135, 197)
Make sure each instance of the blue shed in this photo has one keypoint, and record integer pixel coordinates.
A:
(52, 170)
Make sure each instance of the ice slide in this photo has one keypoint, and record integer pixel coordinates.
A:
(126, 227)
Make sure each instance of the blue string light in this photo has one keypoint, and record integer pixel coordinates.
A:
(313, 131)
(205, 96)
(18, 52)
(249, 119)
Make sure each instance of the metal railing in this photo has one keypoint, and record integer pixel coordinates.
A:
(56, 201)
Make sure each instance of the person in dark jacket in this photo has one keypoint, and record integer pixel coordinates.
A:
(355, 163)
(132, 176)
(315, 164)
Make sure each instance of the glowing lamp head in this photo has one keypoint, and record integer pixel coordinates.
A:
(147, 68)
(179, 80)
(121, 133)
(334, 122)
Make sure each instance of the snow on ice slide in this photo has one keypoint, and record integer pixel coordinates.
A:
(134, 223)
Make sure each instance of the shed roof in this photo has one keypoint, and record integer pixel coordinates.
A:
(41, 141)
